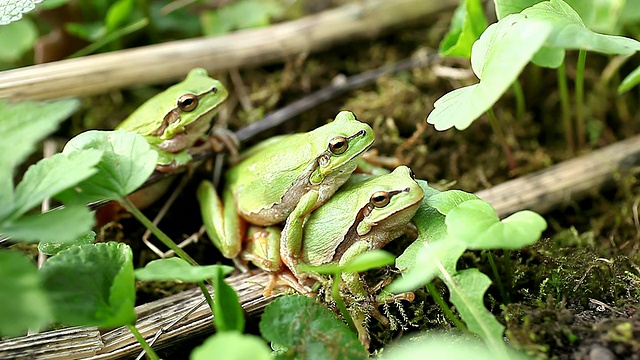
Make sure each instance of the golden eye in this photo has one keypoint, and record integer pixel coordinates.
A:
(380, 199)
(338, 145)
(188, 102)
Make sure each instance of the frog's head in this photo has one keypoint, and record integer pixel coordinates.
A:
(196, 98)
(394, 199)
(339, 143)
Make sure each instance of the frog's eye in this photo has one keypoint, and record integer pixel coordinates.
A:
(412, 174)
(380, 199)
(338, 145)
(188, 102)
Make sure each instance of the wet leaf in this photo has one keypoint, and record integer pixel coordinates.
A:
(51, 248)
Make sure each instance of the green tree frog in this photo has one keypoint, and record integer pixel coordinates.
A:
(173, 120)
(359, 217)
(272, 177)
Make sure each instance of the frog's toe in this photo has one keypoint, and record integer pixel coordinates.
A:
(223, 139)
(288, 280)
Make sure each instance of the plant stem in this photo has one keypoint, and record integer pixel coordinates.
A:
(335, 293)
(156, 231)
(496, 276)
(143, 342)
(580, 127)
(497, 129)
(507, 271)
(520, 102)
(207, 296)
(445, 308)
(566, 110)
(117, 34)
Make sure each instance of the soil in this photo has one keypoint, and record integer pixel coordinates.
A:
(573, 295)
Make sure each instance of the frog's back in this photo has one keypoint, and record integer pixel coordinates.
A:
(265, 176)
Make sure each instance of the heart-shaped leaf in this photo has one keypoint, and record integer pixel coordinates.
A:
(476, 224)
(126, 163)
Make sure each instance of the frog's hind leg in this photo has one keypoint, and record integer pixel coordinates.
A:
(262, 248)
(285, 278)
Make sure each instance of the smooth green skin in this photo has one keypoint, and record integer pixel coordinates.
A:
(349, 224)
(266, 186)
(181, 128)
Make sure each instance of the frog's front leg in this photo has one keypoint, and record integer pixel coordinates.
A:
(293, 232)
(170, 162)
(352, 280)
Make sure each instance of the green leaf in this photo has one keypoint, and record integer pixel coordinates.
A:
(25, 123)
(232, 346)
(467, 289)
(52, 248)
(127, 162)
(178, 269)
(21, 35)
(497, 59)
(24, 302)
(227, 311)
(430, 225)
(466, 26)
(90, 31)
(428, 264)
(92, 285)
(444, 346)
(549, 57)
(309, 330)
(118, 14)
(57, 226)
(241, 14)
(447, 200)
(606, 16)
(630, 81)
(366, 261)
(569, 31)
(100, 38)
(600, 16)
(369, 260)
(52, 175)
(13, 10)
(476, 224)
(508, 7)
